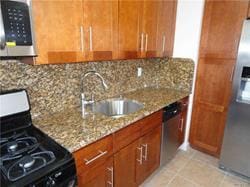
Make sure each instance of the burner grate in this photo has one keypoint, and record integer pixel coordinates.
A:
(29, 164)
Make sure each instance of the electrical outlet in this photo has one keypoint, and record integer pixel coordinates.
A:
(139, 72)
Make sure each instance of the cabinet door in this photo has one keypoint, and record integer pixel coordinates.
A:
(125, 162)
(98, 176)
(221, 29)
(129, 29)
(166, 28)
(150, 20)
(57, 30)
(248, 15)
(150, 145)
(212, 95)
(100, 29)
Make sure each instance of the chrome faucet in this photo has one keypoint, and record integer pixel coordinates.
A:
(86, 102)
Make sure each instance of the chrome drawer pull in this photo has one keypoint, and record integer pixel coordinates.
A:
(140, 159)
(145, 156)
(111, 183)
(96, 157)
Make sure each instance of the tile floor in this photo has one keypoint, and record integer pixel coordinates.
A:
(192, 168)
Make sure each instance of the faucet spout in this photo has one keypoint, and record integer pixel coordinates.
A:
(105, 86)
(86, 102)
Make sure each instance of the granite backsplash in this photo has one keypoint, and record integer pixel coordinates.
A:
(53, 88)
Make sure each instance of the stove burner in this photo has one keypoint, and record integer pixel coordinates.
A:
(9, 150)
(11, 146)
(27, 162)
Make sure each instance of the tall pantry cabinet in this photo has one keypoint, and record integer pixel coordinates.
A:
(221, 29)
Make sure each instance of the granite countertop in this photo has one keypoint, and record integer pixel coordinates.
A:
(73, 132)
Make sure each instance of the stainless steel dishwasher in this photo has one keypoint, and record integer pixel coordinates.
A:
(170, 134)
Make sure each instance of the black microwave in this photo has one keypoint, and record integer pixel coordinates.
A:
(16, 30)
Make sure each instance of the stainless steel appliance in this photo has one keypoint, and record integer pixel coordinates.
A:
(16, 33)
(28, 157)
(170, 134)
(235, 154)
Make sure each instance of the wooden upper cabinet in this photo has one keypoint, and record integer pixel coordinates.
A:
(100, 29)
(87, 30)
(149, 27)
(221, 29)
(248, 15)
(166, 28)
(57, 30)
(129, 29)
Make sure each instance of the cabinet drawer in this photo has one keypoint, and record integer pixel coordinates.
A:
(95, 153)
(126, 136)
(150, 122)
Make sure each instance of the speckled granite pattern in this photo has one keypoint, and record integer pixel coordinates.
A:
(73, 132)
(54, 88)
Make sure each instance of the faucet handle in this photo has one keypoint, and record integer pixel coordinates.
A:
(82, 96)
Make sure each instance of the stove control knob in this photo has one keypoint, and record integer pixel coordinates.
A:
(50, 182)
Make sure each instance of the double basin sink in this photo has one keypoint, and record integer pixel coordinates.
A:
(117, 107)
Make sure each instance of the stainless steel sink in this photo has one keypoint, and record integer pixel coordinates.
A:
(117, 107)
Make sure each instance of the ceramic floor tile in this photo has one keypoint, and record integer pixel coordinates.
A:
(193, 169)
(202, 174)
(161, 179)
(205, 157)
(178, 162)
(234, 181)
(179, 181)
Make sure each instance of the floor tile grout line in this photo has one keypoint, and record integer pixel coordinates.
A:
(178, 171)
(222, 181)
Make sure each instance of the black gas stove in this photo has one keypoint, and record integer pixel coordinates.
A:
(28, 156)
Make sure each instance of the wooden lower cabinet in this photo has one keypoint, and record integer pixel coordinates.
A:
(150, 148)
(124, 159)
(99, 176)
(125, 162)
(134, 163)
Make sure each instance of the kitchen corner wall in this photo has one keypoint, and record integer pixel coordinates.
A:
(53, 88)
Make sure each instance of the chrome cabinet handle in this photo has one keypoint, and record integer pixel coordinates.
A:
(82, 38)
(140, 159)
(90, 39)
(145, 156)
(181, 125)
(88, 161)
(142, 42)
(146, 42)
(232, 74)
(111, 182)
(163, 43)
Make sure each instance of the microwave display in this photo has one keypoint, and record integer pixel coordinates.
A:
(16, 23)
